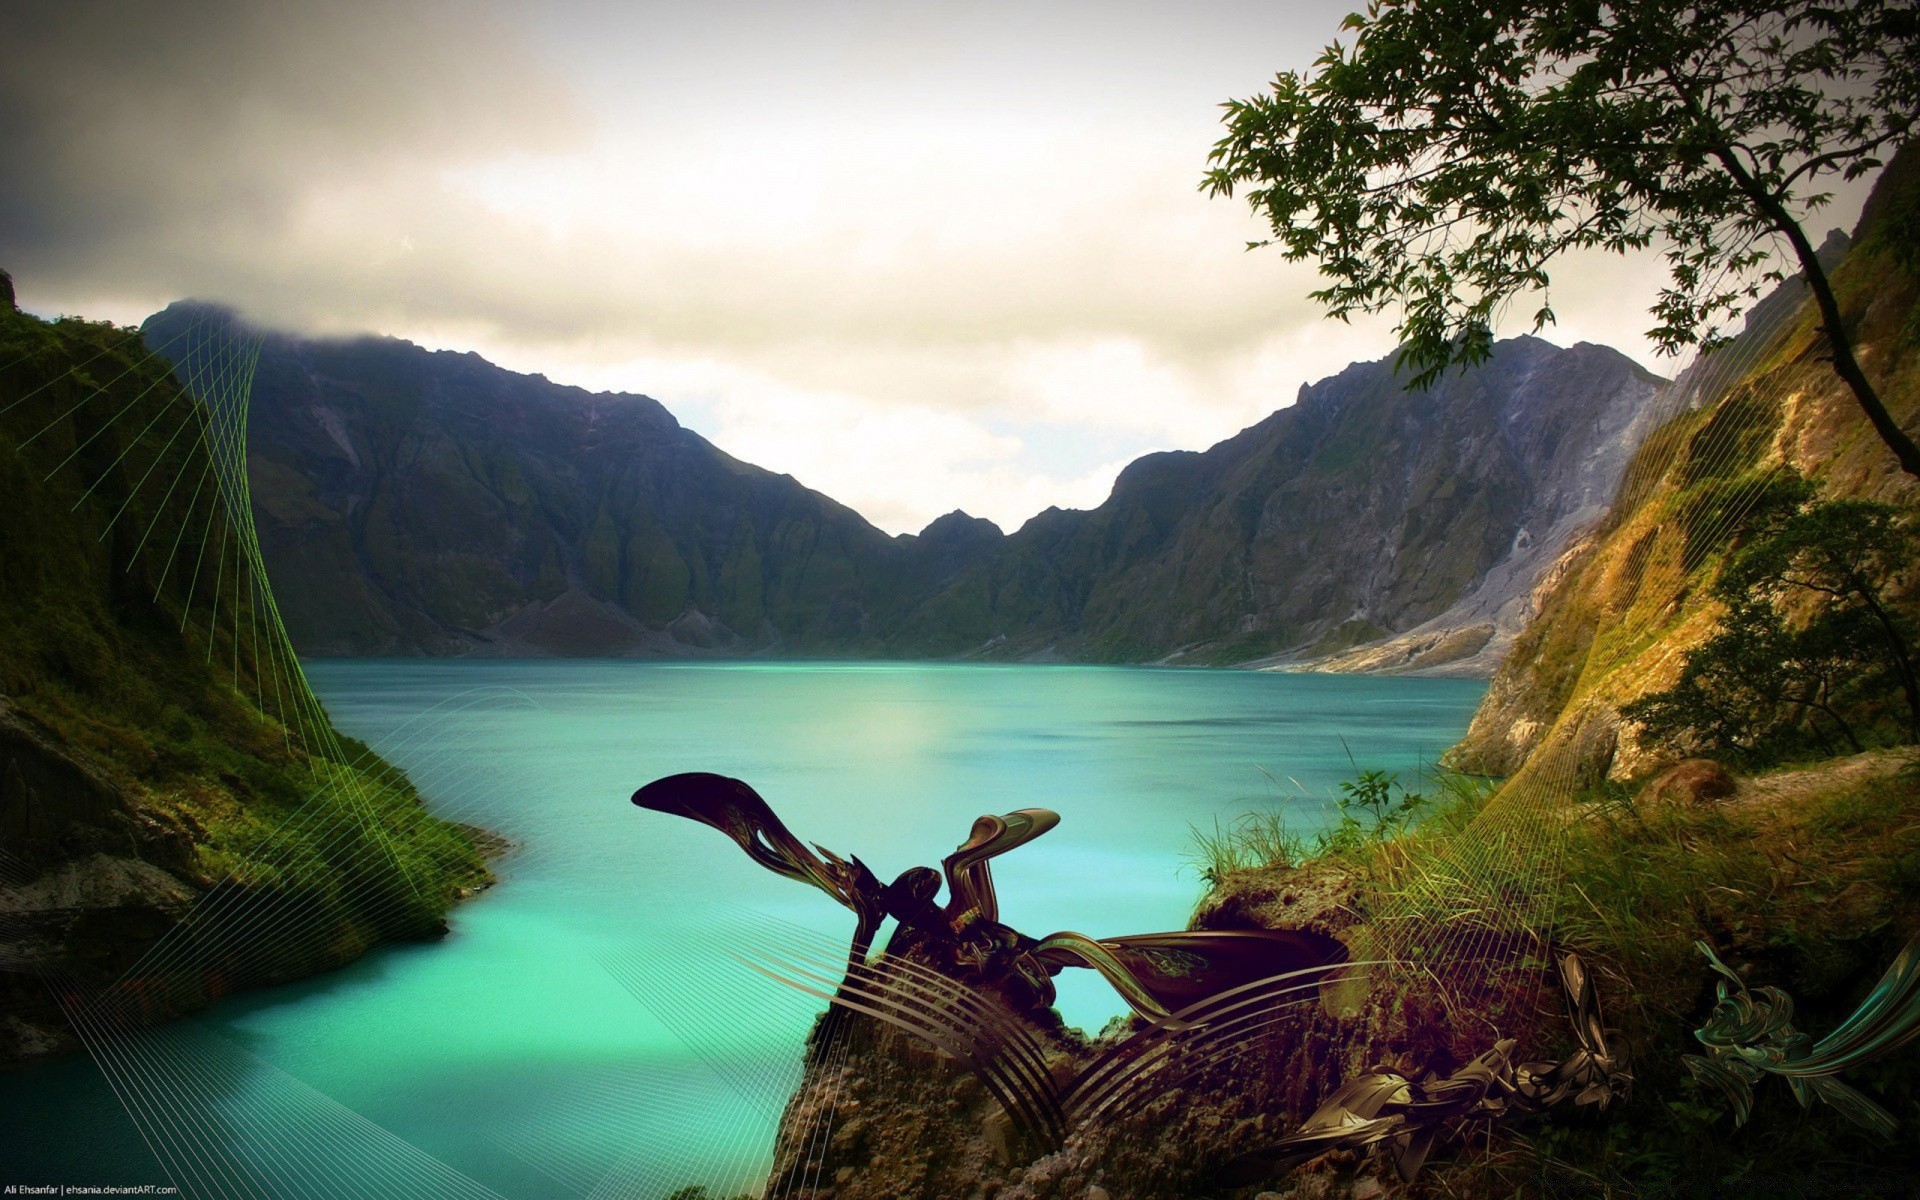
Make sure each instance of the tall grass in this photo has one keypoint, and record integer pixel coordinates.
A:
(1250, 842)
(1372, 825)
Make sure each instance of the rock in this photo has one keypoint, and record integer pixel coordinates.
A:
(1696, 781)
(850, 1136)
(51, 806)
(1596, 740)
(966, 1090)
(1096, 1192)
(97, 882)
(1368, 1189)
(1001, 1140)
(1316, 897)
(20, 1041)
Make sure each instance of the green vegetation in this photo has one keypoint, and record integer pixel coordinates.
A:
(1812, 656)
(1808, 880)
(1375, 808)
(1807, 884)
(135, 647)
(1252, 841)
(1382, 800)
(1442, 160)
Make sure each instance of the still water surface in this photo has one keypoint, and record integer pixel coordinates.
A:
(583, 1028)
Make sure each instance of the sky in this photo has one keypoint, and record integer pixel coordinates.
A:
(920, 256)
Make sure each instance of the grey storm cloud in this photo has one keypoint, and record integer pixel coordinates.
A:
(745, 176)
(146, 140)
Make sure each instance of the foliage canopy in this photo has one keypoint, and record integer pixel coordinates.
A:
(1441, 161)
(1811, 653)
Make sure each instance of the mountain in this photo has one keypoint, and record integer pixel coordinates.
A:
(416, 502)
(1621, 609)
(1362, 511)
(431, 503)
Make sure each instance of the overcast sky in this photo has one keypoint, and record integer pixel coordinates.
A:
(921, 256)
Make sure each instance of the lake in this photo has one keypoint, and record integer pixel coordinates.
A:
(583, 1031)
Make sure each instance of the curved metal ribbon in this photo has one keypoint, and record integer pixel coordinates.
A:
(969, 881)
(738, 811)
(1160, 973)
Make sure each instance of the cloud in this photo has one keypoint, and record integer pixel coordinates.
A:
(967, 236)
(155, 144)
(900, 465)
(417, 162)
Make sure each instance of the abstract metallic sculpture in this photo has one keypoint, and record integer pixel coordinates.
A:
(1156, 973)
(1386, 1110)
(956, 977)
(1750, 1035)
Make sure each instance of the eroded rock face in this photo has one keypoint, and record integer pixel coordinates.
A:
(1695, 781)
(1361, 512)
(87, 884)
(1317, 897)
(1616, 618)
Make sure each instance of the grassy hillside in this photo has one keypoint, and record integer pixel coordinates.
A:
(1625, 605)
(1806, 879)
(161, 764)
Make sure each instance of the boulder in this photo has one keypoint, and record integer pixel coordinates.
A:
(1696, 781)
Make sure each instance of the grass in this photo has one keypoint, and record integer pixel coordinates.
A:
(1807, 880)
(1377, 810)
(1251, 841)
(108, 650)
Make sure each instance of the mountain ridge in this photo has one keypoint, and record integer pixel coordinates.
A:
(429, 502)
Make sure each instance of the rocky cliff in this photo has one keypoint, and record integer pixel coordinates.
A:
(430, 503)
(1362, 512)
(1620, 609)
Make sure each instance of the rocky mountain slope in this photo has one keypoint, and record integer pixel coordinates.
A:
(1618, 613)
(420, 503)
(1361, 512)
(430, 503)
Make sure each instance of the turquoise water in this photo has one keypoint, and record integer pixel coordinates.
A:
(583, 1027)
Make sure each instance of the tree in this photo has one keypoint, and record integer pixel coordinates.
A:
(1442, 161)
(1757, 690)
(1847, 552)
(1810, 649)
